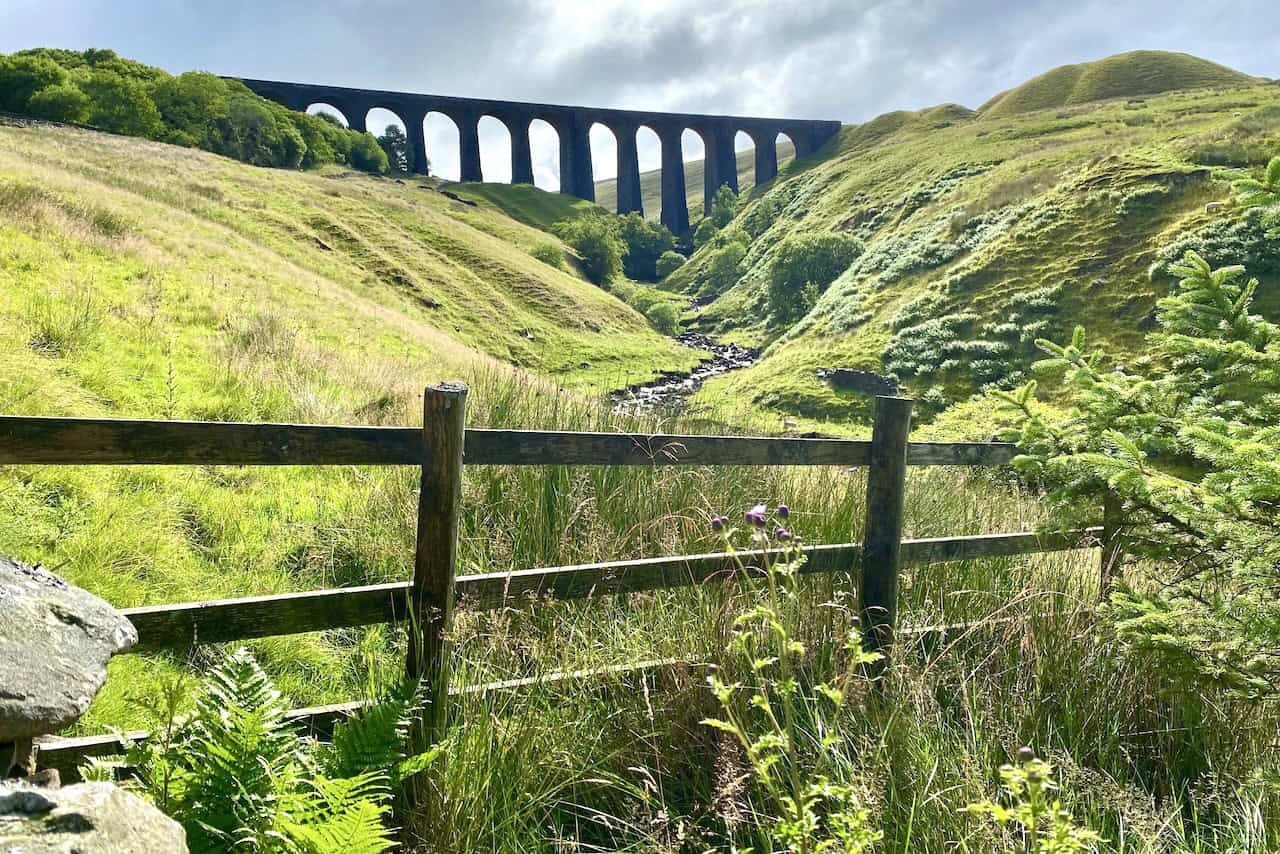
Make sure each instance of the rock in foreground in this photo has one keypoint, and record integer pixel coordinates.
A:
(55, 640)
(88, 818)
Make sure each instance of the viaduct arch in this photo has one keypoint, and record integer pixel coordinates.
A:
(573, 125)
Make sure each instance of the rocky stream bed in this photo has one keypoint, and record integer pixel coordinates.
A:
(671, 391)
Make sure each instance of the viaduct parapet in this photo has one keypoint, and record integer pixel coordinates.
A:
(573, 126)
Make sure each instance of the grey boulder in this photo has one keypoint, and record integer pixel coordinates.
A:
(55, 640)
(87, 818)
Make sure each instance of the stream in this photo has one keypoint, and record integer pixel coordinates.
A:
(671, 390)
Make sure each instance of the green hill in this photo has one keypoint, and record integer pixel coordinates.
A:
(651, 183)
(984, 233)
(1125, 75)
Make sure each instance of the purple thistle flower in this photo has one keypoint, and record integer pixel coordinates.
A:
(717, 523)
(783, 511)
(756, 516)
(782, 534)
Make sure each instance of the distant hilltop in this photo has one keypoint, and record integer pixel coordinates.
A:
(1125, 75)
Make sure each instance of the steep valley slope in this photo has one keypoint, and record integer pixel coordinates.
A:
(985, 232)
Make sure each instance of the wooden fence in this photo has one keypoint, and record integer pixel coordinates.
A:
(426, 602)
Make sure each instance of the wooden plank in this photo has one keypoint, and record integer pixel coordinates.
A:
(105, 441)
(960, 453)
(943, 549)
(67, 754)
(431, 598)
(181, 625)
(177, 626)
(537, 447)
(882, 533)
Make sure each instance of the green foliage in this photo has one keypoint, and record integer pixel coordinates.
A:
(1186, 443)
(803, 261)
(193, 109)
(367, 156)
(724, 267)
(21, 77)
(595, 239)
(724, 206)
(703, 232)
(62, 102)
(396, 146)
(668, 263)
(237, 776)
(645, 242)
(665, 318)
(1032, 817)
(788, 720)
(121, 104)
(187, 103)
(549, 254)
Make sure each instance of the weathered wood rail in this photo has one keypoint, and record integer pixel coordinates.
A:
(441, 447)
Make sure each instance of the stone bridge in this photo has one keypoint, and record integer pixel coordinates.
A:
(573, 125)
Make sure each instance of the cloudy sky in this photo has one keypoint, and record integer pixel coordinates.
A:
(828, 59)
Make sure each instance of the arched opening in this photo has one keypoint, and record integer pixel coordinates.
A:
(604, 165)
(649, 151)
(786, 150)
(389, 129)
(443, 144)
(694, 149)
(604, 152)
(328, 111)
(744, 151)
(544, 150)
(495, 149)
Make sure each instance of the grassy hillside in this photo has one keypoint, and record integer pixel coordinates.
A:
(1125, 75)
(651, 183)
(143, 280)
(984, 233)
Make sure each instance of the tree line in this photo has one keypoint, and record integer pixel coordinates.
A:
(196, 109)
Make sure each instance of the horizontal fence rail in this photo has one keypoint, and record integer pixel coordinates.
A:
(26, 440)
(178, 626)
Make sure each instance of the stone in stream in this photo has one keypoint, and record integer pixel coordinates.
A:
(87, 818)
(55, 640)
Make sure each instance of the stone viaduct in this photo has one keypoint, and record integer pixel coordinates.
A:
(573, 125)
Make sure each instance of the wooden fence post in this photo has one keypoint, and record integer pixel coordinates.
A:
(1112, 559)
(882, 534)
(431, 597)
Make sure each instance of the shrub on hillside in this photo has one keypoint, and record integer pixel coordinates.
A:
(724, 267)
(665, 318)
(21, 77)
(645, 243)
(668, 263)
(121, 105)
(549, 254)
(724, 206)
(703, 232)
(595, 239)
(367, 156)
(807, 261)
(62, 102)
